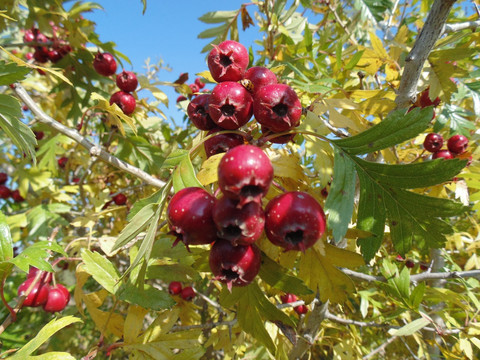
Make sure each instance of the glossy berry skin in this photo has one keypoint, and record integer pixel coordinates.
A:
(3, 178)
(181, 98)
(442, 154)
(125, 101)
(294, 221)
(41, 54)
(433, 142)
(424, 99)
(189, 215)
(16, 196)
(260, 76)
(55, 56)
(230, 105)
(187, 293)
(38, 295)
(62, 162)
(457, 144)
(245, 173)
(175, 288)
(105, 64)
(199, 83)
(301, 309)
(58, 298)
(277, 107)
(120, 199)
(221, 143)
(228, 61)
(234, 265)
(4, 192)
(197, 111)
(240, 226)
(288, 298)
(127, 81)
(194, 87)
(423, 266)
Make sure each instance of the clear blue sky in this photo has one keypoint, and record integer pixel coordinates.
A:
(167, 31)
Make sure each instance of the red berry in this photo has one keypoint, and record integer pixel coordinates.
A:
(188, 293)
(16, 196)
(194, 87)
(457, 144)
(29, 56)
(4, 192)
(197, 111)
(46, 277)
(245, 173)
(175, 287)
(189, 215)
(41, 54)
(222, 142)
(444, 154)
(230, 105)
(125, 101)
(105, 64)
(277, 107)
(28, 36)
(424, 99)
(62, 162)
(3, 178)
(301, 309)
(58, 298)
(294, 221)
(433, 142)
(120, 199)
(288, 298)
(39, 135)
(409, 264)
(423, 266)
(228, 61)
(127, 81)
(239, 225)
(181, 98)
(55, 56)
(234, 265)
(199, 83)
(399, 258)
(38, 295)
(76, 180)
(260, 76)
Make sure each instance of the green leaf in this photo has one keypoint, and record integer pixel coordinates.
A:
(184, 175)
(11, 73)
(354, 60)
(36, 255)
(215, 17)
(174, 158)
(340, 198)
(410, 328)
(155, 198)
(396, 128)
(53, 355)
(6, 247)
(147, 297)
(373, 10)
(43, 335)
(101, 269)
(417, 295)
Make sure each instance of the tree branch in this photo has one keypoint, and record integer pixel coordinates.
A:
(94, 150)
(449, 28)
(424, 44)
(426, 276)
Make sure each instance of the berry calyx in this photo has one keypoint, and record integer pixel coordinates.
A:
(3, 178)
(442, 154)
(433, 142)
(245, 173)
(58, 298)
(36, 297)
(127, 81)
(4, 192)
(175, 288)
(228, 61)
(189, 215)
(240, 226)
(187, 293)
(104, 64)
(125, 101)
(457, 144)
(120, 199)
(277, 107)
(260, 76)
(294, 221)
(197, 111)
(230, 105)
(234, 265)
(221, 143)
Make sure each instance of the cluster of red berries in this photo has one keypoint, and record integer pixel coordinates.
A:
(5, 192)
(239, 94)
(186, 293)
(234, 222)
(52, 298)
(456, 145)
(289, 298)
(195, 87)
(105, 65)
(53, 52)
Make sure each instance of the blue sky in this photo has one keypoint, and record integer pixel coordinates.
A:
(167, 31)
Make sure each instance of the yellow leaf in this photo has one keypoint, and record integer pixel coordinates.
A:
(286, 165)
(207, 76)
(116, 113)
(378, 46)
(82, 277)
(346, 104)
(161, 325)
(107, 321)
(95, 299)
(370, 62)
(344, 258)
(339, 120)
(208, 173)
(2, 14)
(83, 221)
(133, 323)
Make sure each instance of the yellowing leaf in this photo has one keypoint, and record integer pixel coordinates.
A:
(116, 113)
(106, 321)
(378, 46)
(344, 258)
(370, 61)
(208, 173)
(161, 325)
(134, 323)
(287, 165)
(207, 76)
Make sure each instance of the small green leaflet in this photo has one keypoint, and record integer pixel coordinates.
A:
(184, 175)
(6, 249)
(147, 297)
(101, 269)
(11, 73)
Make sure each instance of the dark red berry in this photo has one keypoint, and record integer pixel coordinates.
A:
(125, 101)
(239, 225)
(41, 54)
(120, 199)
(288, 298)
(294, 221)
(424, 99)
(76, 180)
(197, 111)
(189, 215)
(457, 144)
(423, 266)
(16, 196)
(199, 83)
(3, 178)
(228, 61)
(260, 76)
(38, 295)
(58, 298)
(62, 162)
(409, 263)
(105, 64)
(444, 154)
(277, 107)
(127, 81)
(221, 143)
(181, 98)
(324, 192)
(175, 288)
(55, 56)
(234, 265)
(39, 135)
(4, 192)
(188, 293)
(245, 173)
(301, 309)
(433, 142)
(230, 105)
(28, 36)
(194, 87)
